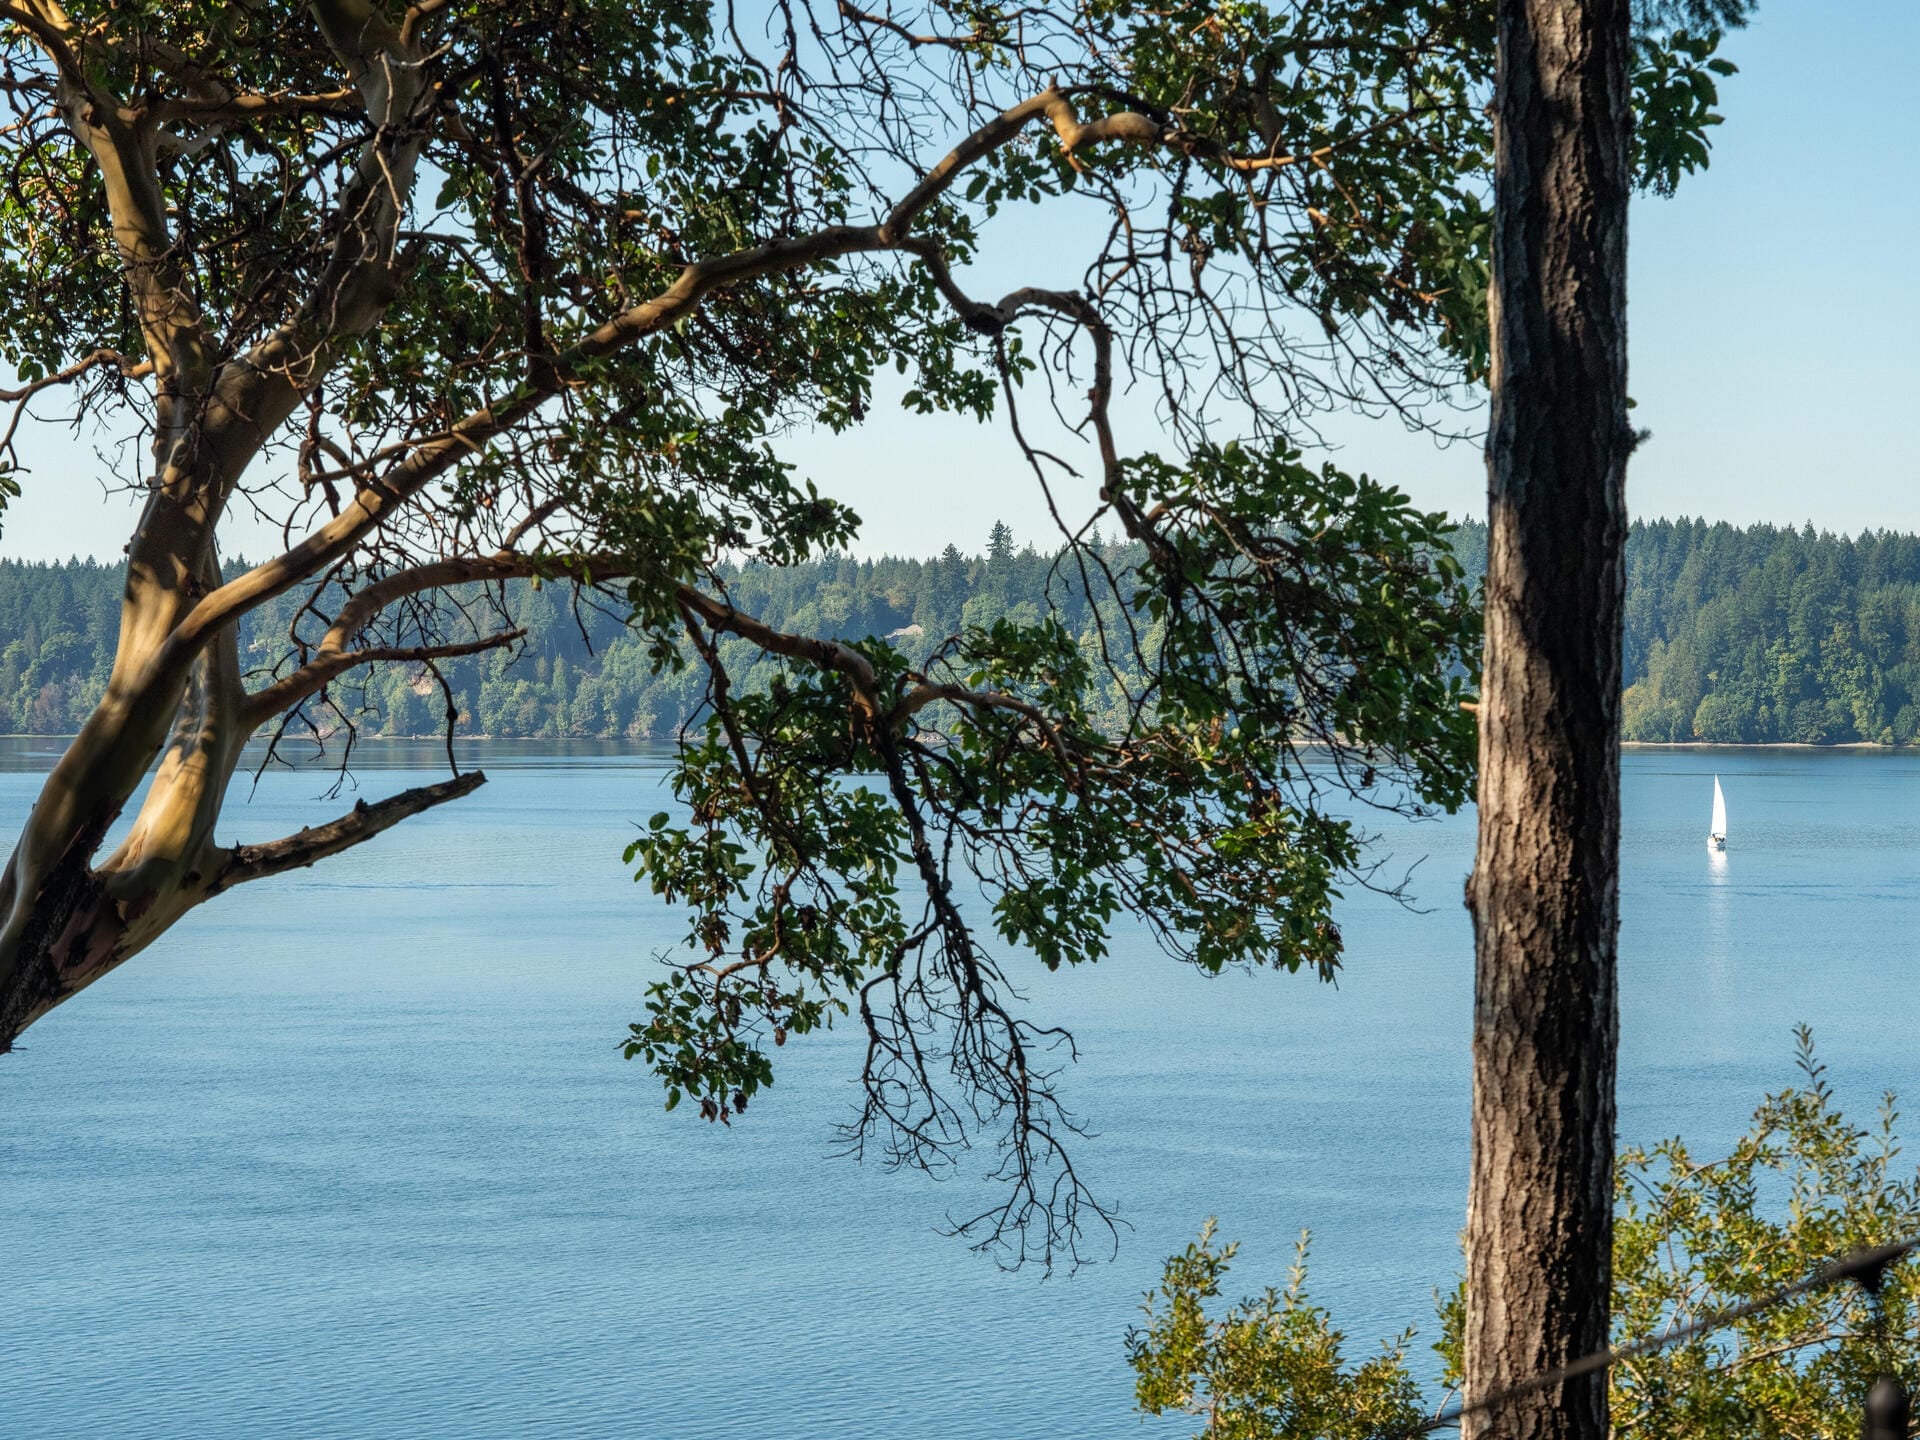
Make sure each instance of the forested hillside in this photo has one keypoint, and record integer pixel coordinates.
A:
(1752, 635)
(580, 672)
(1765, 635)
(1769, 636)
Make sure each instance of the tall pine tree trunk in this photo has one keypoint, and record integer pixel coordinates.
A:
(1544, 893)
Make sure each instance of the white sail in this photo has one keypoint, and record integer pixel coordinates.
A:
(1719, 811)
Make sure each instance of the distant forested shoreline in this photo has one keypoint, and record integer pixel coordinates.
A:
(580, 671)
(1756, 635)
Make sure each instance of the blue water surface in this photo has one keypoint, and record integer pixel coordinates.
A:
(353, 1153)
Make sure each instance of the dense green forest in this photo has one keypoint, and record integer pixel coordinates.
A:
(580, 671)
(1755, 635)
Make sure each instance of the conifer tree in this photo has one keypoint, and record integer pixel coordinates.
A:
(999, 544)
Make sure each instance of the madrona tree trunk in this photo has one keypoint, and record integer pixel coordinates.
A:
(1544, 893)
(175, 691)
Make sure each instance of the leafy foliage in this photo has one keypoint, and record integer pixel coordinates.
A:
(1803, 1187)
(1270, 1368)
(1261, 660)
(1676, 79)
(490, 290)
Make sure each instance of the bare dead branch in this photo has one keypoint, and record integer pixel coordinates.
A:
(129, 369)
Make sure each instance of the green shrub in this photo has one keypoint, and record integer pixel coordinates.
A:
(1801, 1188)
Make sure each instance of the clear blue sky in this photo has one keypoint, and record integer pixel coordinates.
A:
(1775, 302)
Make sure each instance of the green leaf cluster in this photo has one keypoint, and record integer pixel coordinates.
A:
(1801, 1188)
(1804, 1186)
(1676, 87)
(1271, 1367)
(1294, 635)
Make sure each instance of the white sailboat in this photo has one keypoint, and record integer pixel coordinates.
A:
(1717, 836)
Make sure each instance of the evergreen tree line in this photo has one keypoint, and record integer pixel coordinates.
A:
(579, 672)
(1756, 635)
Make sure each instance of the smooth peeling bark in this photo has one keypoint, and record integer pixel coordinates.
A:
(174, 695)
(1544, 891)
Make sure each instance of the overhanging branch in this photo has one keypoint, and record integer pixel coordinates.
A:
(334, 656)
(309, 679)
(827, 654)
(407, 477)
(358, 825)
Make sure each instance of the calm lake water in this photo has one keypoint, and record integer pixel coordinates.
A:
(353, 1153)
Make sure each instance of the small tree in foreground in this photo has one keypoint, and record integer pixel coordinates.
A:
(454, 294)
(1803, 1187)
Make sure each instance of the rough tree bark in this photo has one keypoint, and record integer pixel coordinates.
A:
(1544, 892)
